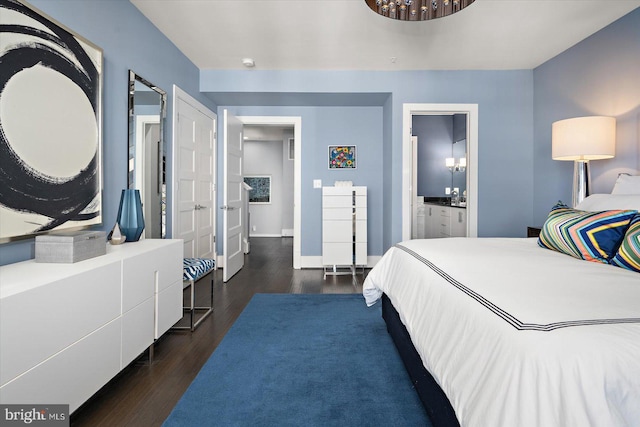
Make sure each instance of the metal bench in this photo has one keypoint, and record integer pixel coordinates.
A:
(194, 269)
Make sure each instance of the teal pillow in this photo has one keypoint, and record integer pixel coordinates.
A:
(628, 255)
(592, 236)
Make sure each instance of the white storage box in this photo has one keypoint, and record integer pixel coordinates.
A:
(70, 246)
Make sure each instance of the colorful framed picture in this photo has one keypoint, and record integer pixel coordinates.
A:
(342, 157)
(260, 193)
(51, 143)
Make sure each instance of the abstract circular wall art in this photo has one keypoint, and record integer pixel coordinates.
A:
(50, 125)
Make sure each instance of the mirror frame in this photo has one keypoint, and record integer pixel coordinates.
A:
(133, 78)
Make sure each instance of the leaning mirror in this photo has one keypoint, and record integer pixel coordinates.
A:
(146, 160)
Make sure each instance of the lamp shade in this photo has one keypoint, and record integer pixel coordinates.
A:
(584, 138)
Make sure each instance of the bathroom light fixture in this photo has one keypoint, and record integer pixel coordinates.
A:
(582, 139)
(450, 162)
(462, 166)
(417, 10)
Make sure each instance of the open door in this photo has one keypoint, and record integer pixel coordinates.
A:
(195, 176)
(232, 207)
(414, 188)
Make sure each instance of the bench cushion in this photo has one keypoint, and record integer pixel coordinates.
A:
(195, 268)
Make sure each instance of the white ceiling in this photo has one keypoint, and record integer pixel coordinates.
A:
(347, 35)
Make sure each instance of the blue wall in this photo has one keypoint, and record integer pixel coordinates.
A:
(129, 41)
(505, 100)
(321, 127)
(598, 76)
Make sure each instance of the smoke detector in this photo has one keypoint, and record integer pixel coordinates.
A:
(248, 62)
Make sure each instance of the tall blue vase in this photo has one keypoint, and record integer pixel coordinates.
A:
(130, 217)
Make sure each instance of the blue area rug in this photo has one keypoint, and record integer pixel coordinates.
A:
(303, 360)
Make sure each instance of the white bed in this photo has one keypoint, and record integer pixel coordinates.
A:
(518, 335)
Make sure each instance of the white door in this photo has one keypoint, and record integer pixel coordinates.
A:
(205, 186)
(232, 205)
(194, 161)
(413, 188)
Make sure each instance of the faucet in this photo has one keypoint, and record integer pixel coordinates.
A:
(455, 199)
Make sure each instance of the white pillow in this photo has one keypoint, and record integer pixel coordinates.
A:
(608, 202)
(627, 184)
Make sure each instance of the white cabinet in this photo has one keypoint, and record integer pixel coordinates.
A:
(84, 321)
(418, 232)
(430, 214)
(458, 222)
(444, 221)
(344, 226)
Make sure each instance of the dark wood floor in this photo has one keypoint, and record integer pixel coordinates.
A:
(144, 395)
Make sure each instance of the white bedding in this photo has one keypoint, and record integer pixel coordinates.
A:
(518, 335)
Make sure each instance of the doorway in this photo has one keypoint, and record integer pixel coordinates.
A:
(269, 167)
(296, 124)
(409, 176)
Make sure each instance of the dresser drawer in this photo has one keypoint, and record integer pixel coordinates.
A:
(344, 214)
(138, 330)
(44, 320)
(337, 231)
(337, 201)
(72, 376)
(337, 254)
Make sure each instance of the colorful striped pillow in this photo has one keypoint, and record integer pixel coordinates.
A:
(628, 255)
(592, 236)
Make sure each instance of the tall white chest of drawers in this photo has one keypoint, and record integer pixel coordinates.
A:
(344, 226)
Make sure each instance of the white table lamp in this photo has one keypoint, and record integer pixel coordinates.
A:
(582, 139)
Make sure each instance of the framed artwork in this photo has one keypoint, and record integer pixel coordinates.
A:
(260, 193)
(342, 157)
(51, 137)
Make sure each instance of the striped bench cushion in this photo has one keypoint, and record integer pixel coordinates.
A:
(195, 268)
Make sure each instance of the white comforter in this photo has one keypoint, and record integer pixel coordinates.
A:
(518, 335)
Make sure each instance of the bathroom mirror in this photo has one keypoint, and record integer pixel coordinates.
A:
(459, 174)
(146, 159)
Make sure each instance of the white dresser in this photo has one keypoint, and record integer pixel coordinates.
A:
(67, 329)
(344, 227)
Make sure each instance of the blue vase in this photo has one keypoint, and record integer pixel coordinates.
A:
(130, 217)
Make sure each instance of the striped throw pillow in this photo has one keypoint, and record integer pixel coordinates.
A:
(592, 236)
(628, 255)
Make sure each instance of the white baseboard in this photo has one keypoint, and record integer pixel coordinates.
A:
(287, 232)
(373, 260)
(316, 261)
(264, 235)
(312, 261)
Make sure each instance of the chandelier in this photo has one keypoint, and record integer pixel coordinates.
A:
(417, 10)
